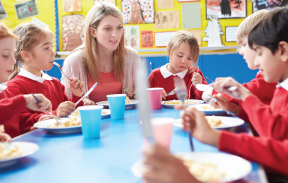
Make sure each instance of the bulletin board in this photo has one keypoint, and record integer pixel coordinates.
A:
(46, 14)
(87, 4)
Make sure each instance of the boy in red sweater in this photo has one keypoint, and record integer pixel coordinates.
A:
(183, 50)
(11, 106)
(34, 50)
(269, 39)
(258, 85)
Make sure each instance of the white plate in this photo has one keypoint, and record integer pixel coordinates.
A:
(173, 105)
(27, 148)
(202, 87)
(234, 166)
(127, 106)
(218, 112)
(44, 126)
(229, 122)
(106, 115)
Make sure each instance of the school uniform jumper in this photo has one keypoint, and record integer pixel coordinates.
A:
(10, 108)
(163, 78)
(27, 83)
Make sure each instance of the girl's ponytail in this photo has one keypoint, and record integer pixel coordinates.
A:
(15, 71)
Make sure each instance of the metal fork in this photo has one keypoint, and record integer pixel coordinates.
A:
(182, 94)
(57, 118)
(126, 89)
(66, 75)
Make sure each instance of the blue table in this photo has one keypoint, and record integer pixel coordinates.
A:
(70, 158)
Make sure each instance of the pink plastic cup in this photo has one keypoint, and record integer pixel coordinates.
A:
(162, 131)
(155, 98)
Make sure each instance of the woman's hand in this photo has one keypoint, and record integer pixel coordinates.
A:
(87, 101)
(222, 85)
(225, 104)
(164, 167)
(74, 83)
(31, 103)
(65, 108)
(196, 79)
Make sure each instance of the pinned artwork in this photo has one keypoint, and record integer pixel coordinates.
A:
(226, 8)
(191, 10)
(3, 13)
(132, 39)
(138, 11)
(26, 9)
(72, 31)
(162, 38)
(165, 4)
(213, 32)
(109, 1)
(147, 39)
(268, 4)
(166, 19)
(71, 5)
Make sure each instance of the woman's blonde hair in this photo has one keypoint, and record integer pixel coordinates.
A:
(183, 36)
(6, 32)
(248, 24)
(91, 61)
(29, 36)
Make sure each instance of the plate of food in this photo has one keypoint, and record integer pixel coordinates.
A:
(173, 103)
(11, 152)
(217, 122)
(208, 167)
(210, 110)
(129, 104)
(105, 113)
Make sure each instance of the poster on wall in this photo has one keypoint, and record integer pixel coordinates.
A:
(109, 1)
(226, 9)
(162, 38)
(147, 39)
(138, 11)
(165, 4)
(166, 19)
(230, 33)
(72, 31)
(132, 37)
(268, 4)
(3, 13)
(26, 9)
(71, 5)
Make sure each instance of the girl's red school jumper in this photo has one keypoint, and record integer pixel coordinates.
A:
(27, 83)
(163, 78)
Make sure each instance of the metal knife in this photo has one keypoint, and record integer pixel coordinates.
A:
(86, 94)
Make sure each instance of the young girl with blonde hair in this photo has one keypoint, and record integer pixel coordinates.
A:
(104, 58)
(183, 51)
(34, 51)
(10, 105)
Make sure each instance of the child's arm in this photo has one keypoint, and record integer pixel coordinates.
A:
(270, 153)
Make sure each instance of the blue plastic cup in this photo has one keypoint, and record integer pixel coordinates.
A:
(91, 121)
(117, 105)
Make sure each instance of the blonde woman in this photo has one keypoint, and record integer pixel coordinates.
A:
(103, 58)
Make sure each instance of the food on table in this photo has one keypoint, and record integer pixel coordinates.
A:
(204, 170)
(209, 108)
(178, 102)
(127, 100)
(72, 121)
(214, 121)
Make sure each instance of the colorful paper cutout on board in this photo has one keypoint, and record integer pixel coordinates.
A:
(3, 13)
(26, 9)
(165, 4)
(71, 5)
(132, 36)
(191, 10)
(72, 31)
(213, 32)
(147, 39)
(197, 34)
(138, 11)
(109, 1)
(166, 19)
(226, 9)
(268, 4)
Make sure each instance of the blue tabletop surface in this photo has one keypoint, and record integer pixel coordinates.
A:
(70, 158)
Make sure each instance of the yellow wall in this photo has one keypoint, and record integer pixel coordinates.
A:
(45, 9)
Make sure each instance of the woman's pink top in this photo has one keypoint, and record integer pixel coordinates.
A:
(109, 85)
